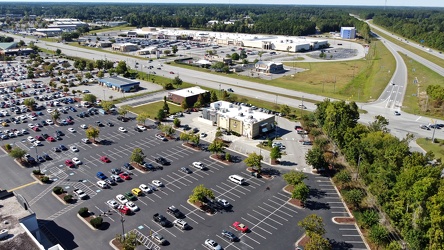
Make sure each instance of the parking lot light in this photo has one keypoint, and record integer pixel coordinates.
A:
(122, 220)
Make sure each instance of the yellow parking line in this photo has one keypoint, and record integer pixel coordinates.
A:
(23, 186)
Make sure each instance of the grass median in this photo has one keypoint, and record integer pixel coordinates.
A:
(436, 148)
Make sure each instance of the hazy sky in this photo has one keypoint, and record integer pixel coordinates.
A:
(429, 3)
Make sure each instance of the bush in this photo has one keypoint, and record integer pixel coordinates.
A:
(67, 198)
(57, 190)
(84, 212)
(8, 147)
(36, 172)
(228, 157)
(96, 222)
(45, 179)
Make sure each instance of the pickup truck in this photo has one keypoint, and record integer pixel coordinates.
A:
(161, 220)
(175, 212)
(79, 193)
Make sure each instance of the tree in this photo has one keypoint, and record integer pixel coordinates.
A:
(137, 156)
(213, 96)
(174, 49)
(312, 224)
(354, 196)
(121, 68)
(275, 153)
(90, 66)
(92, 132)
(123, 110)
(254, 161)
(129, 240)
(300, 192)
(141, 118)
(161, 115)
(216, 147)
(285, 109)
(195, 139)
(167, 52)
(343, 177)
(177, 81)
(294, 178)
(184, 104)
(201, 194)
(17, 153)
(65, 89)
(369, 218)
(379, 235)
(167, 130)
(58, 52)
(83, 211)
(176, 122)
(100, 64)
(165, 105)
(184, 137)
(100, 74)
(89, 98)
(235, 56)
(107, 105)
(28, 102)
(316, 242)
(96, 222)
(315, 157)
(55, 115)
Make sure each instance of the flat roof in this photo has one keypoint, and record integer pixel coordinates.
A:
(239, 112)
(189, 92)
(118, 81)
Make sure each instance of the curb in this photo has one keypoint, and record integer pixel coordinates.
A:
(197, 150)
(226, 164)
(84, 221)
(18, 163)
(296, 244)
(188, 201)
(344, 223)
(58, 198)
(35, 178)
(112, 245)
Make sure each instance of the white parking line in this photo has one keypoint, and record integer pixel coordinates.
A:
(256, 225)
(264, 221)
(246, 236)
(230, 244)
(193, 212)
(274, 214)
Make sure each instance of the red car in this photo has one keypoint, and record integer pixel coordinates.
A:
(39, 138)
(69, 163)
(171, 72)
(240, 227)
(104, 159)
(124, 209)
(36, 129)
(50, 139)
(125, 176)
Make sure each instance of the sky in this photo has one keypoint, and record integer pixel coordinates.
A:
(416, 3)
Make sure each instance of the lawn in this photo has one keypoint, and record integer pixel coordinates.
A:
(436, 148)
(413, 103)
(422, 53)
(117, 28)
(358, 80)
(152, 108)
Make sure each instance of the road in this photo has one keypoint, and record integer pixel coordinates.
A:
(389, 101)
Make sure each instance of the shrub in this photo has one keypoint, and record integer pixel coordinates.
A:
(96, 222)
(8, 147)
(36, 172)
(67, 198)
(83, 212)
(45, 179)
(57, 190)
(228, 157)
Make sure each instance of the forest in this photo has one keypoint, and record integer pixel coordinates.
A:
(406, 186)
(253, 19)
(422, 25)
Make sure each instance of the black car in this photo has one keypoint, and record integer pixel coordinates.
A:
(110, 124)
(138, 129)
(45, 136)
(44, 123)
(175, 212)
(70, 117)
(40, 158)
(161, 161)
(116, 171)
(229, 235)
(46, 156)
(62, 147)
(56, 149)
(185, 170)
(59, 133)
(128, 166)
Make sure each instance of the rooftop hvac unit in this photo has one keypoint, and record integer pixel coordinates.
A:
(241, 114)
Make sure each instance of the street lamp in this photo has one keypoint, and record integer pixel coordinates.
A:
(104, 95)
(38, 164)
(122, 220)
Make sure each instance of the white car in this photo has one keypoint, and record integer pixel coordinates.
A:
(37, 143)
(141, 127)
(211, 244)
(161, 137)
(18, 133)
(31, 139)
(24, 131)
(120, 198)
(112, 204)
(76, 161)
(224, 202)
(71, 130)
(199, 165)
(132, 206)
(203, 135)
(85, 91)
(74, 149)
(50, 122)
(145, 188)
(157, 183)
(50, 110)
(83, 126)
(102, 184)
(31, 125)
(122, 129)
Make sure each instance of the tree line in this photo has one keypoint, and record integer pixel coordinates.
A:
(422, 25)
(264, 19)
(407, 185)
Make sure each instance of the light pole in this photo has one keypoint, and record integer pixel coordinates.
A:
(104, 95)
(122, 220)
(36, 156)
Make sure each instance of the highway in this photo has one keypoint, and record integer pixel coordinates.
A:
(389, 101)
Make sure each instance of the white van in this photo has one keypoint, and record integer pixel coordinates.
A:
(237, 179)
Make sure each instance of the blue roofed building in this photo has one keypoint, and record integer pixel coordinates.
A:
(120, 84)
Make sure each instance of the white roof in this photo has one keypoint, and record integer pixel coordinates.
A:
(242, 113)
(189, 92)
(203, 62)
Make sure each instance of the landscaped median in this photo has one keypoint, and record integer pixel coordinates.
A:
(199, 196)
(89, 218)
(296, 187)
(62, 195)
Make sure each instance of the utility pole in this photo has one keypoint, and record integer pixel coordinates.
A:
(302, 107)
